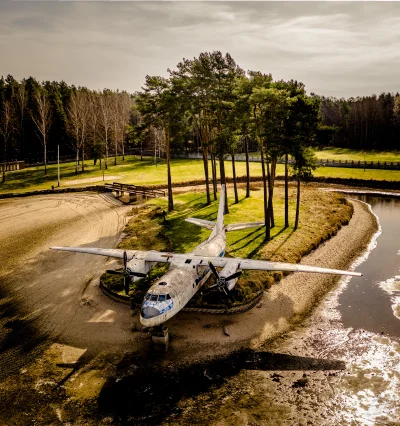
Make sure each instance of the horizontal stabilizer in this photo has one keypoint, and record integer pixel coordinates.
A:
(238, 226)
(208, 224)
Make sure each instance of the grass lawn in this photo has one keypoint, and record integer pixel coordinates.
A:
(358, 155)
(145, 172)
(322, 214)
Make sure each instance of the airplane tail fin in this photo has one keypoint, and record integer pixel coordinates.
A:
(218, 226)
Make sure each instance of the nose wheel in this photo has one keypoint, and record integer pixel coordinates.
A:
(160, 338)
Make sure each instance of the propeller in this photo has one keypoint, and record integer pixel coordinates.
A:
(222, 282)
(127, 273)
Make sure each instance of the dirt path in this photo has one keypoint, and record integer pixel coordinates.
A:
(51, 296)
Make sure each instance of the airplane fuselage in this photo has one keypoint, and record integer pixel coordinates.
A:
(168, 295)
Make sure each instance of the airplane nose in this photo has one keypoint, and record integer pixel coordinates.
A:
(148, 312)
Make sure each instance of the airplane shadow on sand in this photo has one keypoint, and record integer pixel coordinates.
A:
(146, 389)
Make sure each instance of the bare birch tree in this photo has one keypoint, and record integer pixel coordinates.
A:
(22, 100)
(78, 114)
(158, 141)
(105, 122)
(6, 128)
(124, 110)
(42, 118)
(94, 124)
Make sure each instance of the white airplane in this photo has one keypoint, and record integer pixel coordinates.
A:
(188, 272)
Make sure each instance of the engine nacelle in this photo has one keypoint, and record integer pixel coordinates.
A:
(138, 265)
(229, 269)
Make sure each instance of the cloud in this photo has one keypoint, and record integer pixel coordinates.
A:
(334, 48)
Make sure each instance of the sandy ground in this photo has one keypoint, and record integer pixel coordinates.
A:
(47, 296)
(55, 320)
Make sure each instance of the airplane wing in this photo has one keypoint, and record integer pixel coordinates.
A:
(241, 264)
(99, 251)
(195, 260)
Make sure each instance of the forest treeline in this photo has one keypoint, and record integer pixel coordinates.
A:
(37, 118)
(206, 103)
(368, 122)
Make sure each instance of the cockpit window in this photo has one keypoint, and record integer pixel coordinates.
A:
(162, 298)
(148, 295)
(153, 297)
(168, 297)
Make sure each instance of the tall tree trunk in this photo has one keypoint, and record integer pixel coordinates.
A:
(246, 147)
(266, 212)
(205, 163)
(22, 134)
(286, 192)
(269, 188)
(116, 153)
(214, 174)
(167, 152)
(234, 178)
(296, 223)
(77, 161)
(271, 192)
(223, 181)
(45, 155)
(4, 160)
(83, 157)
(123, 151)
(106, 159)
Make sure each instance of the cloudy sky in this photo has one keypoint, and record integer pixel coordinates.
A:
(334, 48)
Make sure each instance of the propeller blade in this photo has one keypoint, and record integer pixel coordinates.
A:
(136, 274)
(237, 274)
(126, 284)
(125, 260)
(209, 289)
(214, 271)
(110, 271)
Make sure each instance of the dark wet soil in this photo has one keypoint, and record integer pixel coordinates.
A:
(143, 392)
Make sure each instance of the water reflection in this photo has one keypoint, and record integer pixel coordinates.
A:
(364, 304)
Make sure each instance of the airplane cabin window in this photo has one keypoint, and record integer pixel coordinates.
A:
(162, 297)
(154, 297)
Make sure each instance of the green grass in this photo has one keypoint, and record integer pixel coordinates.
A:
(322, 214)
(358, 155)
(132, 171)
(145, 172)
